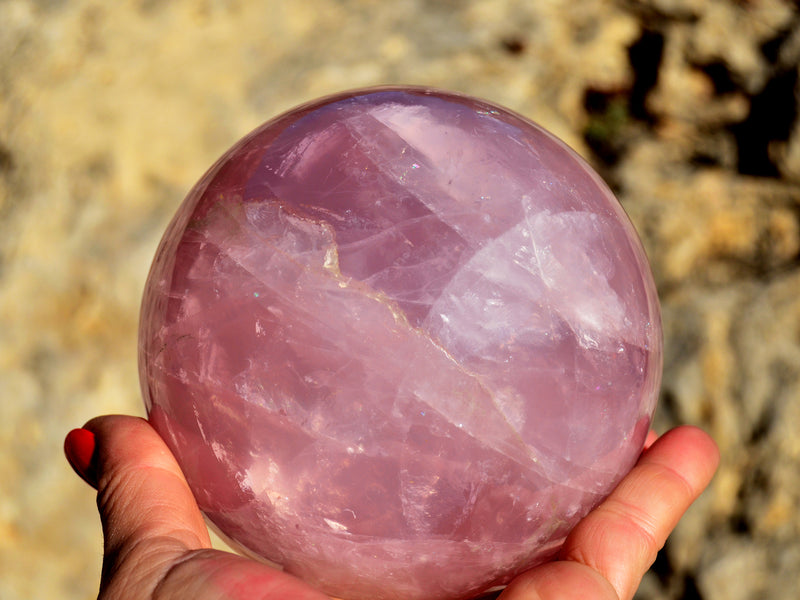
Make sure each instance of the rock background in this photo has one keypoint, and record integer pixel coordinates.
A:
(109, 112)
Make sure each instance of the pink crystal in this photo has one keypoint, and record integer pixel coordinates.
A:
(400, 342)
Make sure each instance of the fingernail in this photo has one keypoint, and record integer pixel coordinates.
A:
(79, 446)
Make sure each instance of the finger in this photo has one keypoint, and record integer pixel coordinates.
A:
(79, 448)
(560, 580)
(221, 575)
(620, 539)
(652, 436)
(149, 515)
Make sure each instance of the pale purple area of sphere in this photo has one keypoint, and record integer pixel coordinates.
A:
(400, 341)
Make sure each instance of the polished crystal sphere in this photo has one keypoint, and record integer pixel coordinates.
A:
(400, 342)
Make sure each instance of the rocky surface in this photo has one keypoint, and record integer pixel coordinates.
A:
(110, 112)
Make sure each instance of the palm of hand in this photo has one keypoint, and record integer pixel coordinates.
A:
(157, 544)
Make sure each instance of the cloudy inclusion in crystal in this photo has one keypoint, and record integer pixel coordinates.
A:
(400, 341)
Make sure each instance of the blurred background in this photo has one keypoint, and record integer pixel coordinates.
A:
(109, 112)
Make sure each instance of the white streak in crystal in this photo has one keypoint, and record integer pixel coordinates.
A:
(260, 331)
(262, 476)
(335, 525)
(219, 451)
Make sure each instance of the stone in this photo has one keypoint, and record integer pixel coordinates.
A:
(400, 341)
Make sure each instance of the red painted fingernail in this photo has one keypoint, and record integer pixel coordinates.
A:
(79, 446)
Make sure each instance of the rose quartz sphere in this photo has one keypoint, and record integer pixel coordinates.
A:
(400, 342)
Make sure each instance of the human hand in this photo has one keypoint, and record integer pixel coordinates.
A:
(157, 544)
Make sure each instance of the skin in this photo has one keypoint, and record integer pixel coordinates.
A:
(157, 545)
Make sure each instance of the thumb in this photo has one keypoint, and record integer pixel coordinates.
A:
(150, 518)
